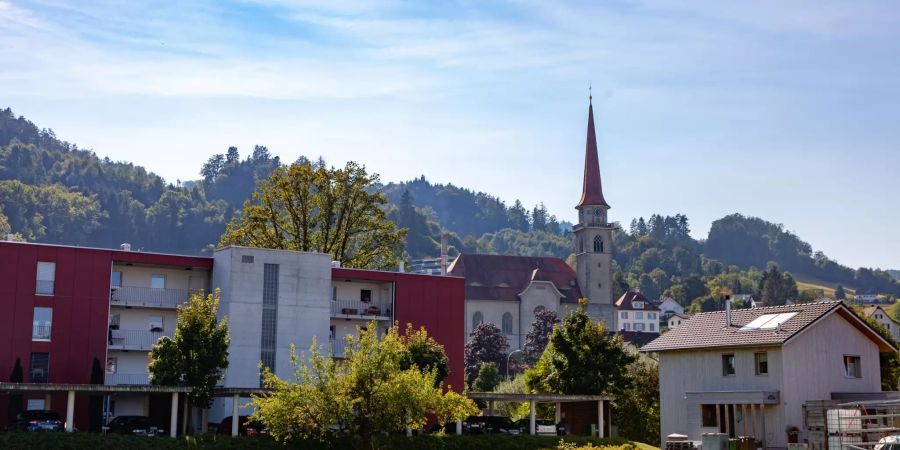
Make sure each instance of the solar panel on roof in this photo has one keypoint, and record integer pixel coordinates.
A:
(768, 321)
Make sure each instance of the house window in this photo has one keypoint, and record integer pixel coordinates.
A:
(477, 319)
(115, 279)
(269, 326)
(112, 364)
(331, 334)
(761, 360)
(248, 259)
(40, 325)
(158, 281)
(639, 315)
(652, 327)
(708, 416)
(624, 314)
(638, 327)
(651, 315)
(507, 323)
(852, 367)
(365, 295)
(40, 367)
(728, 365)
(627, 327)
(637, 305)
(156, 323)
(598, 244)
(46, 278)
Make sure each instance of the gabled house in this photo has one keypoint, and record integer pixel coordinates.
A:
(635, 313)
(675, 320)
(748, 372)
(668, 306)
(876, 312)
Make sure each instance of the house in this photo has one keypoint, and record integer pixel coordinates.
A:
(635, 313)
(668, 306)
(748, 372)
(676, 319)
(876, 312)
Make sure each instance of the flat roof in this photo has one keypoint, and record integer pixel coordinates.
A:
(89, 388)
(537, 397)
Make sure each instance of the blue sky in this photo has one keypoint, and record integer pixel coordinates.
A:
(784, 111)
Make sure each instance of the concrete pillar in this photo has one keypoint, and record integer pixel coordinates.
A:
(70, 412)
(173, 422)
(235, 418)
(490, 407)
(531, 417)
(601, 431)
(727, 420)
(459, 427)
(408, 431)
(557, 416)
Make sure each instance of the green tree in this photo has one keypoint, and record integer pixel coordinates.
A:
(839, 293)
(487, 344)
(425, 353)
(580, 359)
(488, 378)
(776, 288)
(539, 336)
(637, 403)
(368, 395)
(4, 224)
(312, 208)
(197, 354)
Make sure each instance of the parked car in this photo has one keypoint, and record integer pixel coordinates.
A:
(490, 425)
(542, 427)
(37, 420)
(135, 425)
(246, 427)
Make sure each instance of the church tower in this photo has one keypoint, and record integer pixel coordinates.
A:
(593, 236)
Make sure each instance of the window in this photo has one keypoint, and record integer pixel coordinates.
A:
(40, 367)
(46, 278)
(158, 281)
(247, 259)
(598, 244)
(639, 315)
(269, 316)
(331, 334)
(624, 314)
(115, 279)
(708, 416)
(365, 295)
(728, 365)
(156, 323)
(580, 246)
(761, 361)
(40, 325)
(638, 327)
(652, 327)
(112, 364)
(651, 315)
(852, 367)
(627, 327)
(637, 305)
(507, 323)
(477, 319)
(334, 293)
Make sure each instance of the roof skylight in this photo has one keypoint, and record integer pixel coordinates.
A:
(768, 321)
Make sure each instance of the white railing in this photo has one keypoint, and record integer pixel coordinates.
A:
(150, 297)
(40, 332)
(134, 339)
(357, 308)
(128, 378)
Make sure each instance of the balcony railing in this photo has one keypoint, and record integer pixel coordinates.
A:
(358, 309)
(40, 332)
(338, 347)
(149, 297)
(44, 287)
(128, 378)
(134, 339)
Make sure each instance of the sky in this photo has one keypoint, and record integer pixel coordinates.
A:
(787, 111)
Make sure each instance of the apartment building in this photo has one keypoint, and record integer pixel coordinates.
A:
(61, 307)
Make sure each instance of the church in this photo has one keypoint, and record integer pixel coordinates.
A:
(509, 290)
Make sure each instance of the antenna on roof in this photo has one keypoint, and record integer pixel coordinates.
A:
(590, 94)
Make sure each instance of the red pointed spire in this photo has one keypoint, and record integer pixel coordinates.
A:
(592, 193)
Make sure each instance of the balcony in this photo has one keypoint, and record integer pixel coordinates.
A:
(40, 332)
(134, 339)
(128, 378)
(148, 297)
(338, 347)
(356, 309)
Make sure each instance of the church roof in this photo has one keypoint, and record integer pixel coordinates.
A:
(592, 191)
(504, 277)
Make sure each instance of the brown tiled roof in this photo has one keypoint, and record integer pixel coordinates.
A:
(869, 310)
(592, 190)
(504, 277)
(708, 330)
(626, 302)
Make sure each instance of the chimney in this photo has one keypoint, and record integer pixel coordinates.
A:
(402, 267)
(445, 236)
(126, 247)
(727, 310)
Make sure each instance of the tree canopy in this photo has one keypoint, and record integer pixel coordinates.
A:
(487, 344)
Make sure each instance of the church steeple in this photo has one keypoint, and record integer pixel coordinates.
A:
(592, 190)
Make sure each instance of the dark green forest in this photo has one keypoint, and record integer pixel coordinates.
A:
(52, 191)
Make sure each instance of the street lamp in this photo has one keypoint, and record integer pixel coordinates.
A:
(507, 361)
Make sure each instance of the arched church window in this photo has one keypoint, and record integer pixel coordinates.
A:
(598, 244)
(538, 309)
(477, 319)
(507, 323)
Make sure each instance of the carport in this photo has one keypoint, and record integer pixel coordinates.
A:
(236, 394)
(72, 389)
(533, 399)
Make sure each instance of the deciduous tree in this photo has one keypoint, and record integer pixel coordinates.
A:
(425, 353)
(539, 336)
(487, 343)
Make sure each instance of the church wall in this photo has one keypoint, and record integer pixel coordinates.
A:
(492, 311)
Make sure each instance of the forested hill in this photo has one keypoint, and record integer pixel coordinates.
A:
(52, 191)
